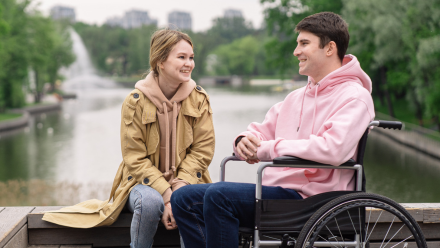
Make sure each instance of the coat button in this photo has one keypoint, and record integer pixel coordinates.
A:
(136, 95)
(129, 178)
(198, 88)
(146, 181)
(199, 175)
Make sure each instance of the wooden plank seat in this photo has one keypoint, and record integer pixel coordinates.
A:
(18, 225)
(117, 235)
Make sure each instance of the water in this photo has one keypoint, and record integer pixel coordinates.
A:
(71, 155)
(83, 147)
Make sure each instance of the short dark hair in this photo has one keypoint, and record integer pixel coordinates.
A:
(328, 26)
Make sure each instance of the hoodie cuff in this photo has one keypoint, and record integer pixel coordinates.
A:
(178, 183)
(263, 152)
(166, 196)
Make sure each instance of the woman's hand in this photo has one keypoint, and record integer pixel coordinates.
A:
(247, 148)
(168, 218)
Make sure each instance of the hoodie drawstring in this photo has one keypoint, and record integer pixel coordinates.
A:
(173, 141)
(167, 138)
(314, 110)
(302, 105)
(173, 156)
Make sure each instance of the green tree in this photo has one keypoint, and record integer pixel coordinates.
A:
(14, 54)
(61, 53)
(117, 51)
(223, 31)
(31, 43)
(375, 32)
(42, 44)
(139, 49)
(421, 36)
(395, 45)
(236, 58)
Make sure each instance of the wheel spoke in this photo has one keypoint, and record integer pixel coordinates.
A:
(352, 222)
(369, 235)
(392, 222)
(327, 241)
(394, 235)
(333, 236)
(368, 224)
(401, 241)
(342, 237)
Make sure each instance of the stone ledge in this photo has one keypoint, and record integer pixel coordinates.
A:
(22, 121)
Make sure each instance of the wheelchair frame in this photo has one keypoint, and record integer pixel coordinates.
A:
(300, 163)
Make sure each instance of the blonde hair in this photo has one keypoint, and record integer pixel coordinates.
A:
(162, 43)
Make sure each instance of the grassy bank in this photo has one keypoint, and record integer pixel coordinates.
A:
(403, 112)
(8, 116)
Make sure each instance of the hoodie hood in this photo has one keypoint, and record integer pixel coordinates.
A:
(167, 113)
(349, 71)
(150, 87)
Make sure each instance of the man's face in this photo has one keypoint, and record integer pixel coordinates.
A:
(312, 59)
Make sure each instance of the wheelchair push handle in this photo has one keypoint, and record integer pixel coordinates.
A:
(387, 124)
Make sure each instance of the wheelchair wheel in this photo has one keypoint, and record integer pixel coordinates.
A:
(361, 220)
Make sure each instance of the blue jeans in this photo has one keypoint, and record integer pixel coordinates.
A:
(209, 215)
(147, 207)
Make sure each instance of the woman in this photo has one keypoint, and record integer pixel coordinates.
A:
(167, 141)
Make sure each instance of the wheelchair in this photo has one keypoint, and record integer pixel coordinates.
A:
(331, 219)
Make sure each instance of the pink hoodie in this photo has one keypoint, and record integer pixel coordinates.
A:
(323, 123)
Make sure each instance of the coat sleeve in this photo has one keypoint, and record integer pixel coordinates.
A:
(201, 151)
(264, 131)
(334, 143)
(133, 145)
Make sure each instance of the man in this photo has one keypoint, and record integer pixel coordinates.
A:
(322, 121)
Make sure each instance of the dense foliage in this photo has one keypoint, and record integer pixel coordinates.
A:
(29, 42)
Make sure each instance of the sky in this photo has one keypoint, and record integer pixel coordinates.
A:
(202, 11)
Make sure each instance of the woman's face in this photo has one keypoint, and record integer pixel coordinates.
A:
(179, 64)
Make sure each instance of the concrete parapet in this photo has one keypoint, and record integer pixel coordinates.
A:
(418, 138)
(42, 108)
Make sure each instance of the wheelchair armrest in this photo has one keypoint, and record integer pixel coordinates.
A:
(299, 161)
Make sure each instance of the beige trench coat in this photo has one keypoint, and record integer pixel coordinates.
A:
(140, 151)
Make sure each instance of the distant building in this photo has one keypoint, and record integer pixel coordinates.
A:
(231, 13)
(180, 19)
(59, 12)
(132, 19)
(137, 18)
(114, 21)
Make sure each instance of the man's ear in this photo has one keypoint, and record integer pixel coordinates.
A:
(331, 48)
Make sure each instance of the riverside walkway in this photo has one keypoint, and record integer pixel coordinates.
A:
(22, 227)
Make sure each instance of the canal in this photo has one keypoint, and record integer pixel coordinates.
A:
(71, 155)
